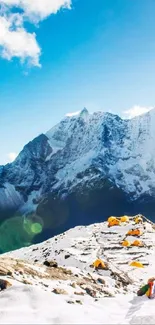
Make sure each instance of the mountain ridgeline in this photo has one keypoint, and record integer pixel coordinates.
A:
(84, 169)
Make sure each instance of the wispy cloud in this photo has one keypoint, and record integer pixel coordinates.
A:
(15, 40)
(136, 110)
(73, 114)
(12, 156)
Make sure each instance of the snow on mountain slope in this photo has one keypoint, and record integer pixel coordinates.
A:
(122, 150)
(86, 147)
(79, 247)
(137, 161)
(10, 198)
(72, 173)
(83, 141)
(84, 295)
(38, 306)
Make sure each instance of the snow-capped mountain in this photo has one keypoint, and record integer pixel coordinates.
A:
(54, 282)
(82, 170)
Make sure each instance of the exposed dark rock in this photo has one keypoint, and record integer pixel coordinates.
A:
(51, 264)
(59, 291)
(67, 256)
(4, 284)
(91, 292)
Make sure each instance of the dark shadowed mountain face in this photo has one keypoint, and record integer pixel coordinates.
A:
(83, 170)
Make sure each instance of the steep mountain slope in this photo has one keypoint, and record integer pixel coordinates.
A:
(71, 175)
(73, 292)
(80, 246)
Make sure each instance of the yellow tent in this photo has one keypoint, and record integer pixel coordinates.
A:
(126, 243)
(138, 220)
(137, 243)
(124, 219)
(114, 222)
(99, 264)
(136, 264)
(111, 219)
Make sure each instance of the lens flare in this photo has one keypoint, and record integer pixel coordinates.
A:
(36, 228)
(33, 225)
(13, 234)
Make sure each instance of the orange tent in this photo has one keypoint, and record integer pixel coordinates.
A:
(137, 232)
(126, 243)
(130, 232)
(134, 232)
(137, 243)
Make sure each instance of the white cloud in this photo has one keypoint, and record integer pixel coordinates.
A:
(73, 114)
(18, 42)
(136, 111)
(38, 8)
(15, 40)
(12, 156)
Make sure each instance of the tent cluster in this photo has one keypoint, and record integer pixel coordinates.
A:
(99, 264)
(127, 243)
(117, 221)
(114, 221)
(138, 243)
(137, 232)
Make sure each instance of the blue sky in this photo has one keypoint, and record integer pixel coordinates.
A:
(99, 54)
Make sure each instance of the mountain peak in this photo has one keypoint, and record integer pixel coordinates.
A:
(84, 114)
(84, 111)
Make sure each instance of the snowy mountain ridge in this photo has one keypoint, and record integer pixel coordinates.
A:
(59, 272)
(124, 145)
(71, 173)
(88, 139)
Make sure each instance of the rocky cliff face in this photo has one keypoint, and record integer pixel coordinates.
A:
(85, 168)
